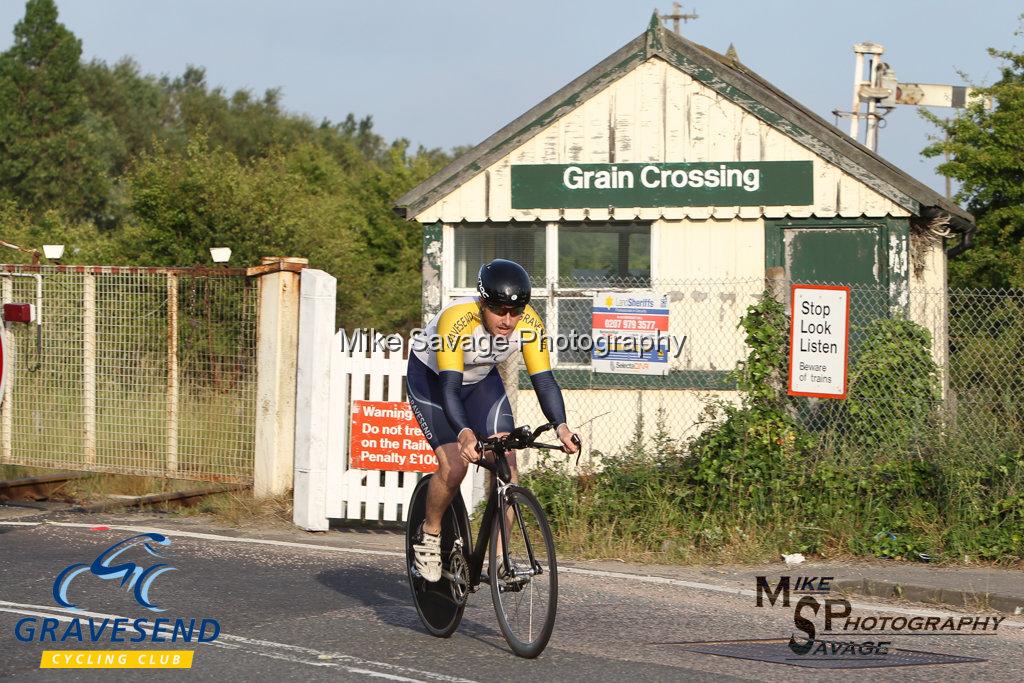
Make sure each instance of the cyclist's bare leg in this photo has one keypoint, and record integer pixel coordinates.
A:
(451, 469)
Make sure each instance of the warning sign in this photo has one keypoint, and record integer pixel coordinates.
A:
(386, 436)
(819, 340)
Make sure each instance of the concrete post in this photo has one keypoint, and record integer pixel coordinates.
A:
(776, 285)
(276, 355)
(312, 398)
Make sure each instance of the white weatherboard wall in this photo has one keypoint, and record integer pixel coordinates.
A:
(927, 293)
(607, 418)
(656, 113)
(711, 271)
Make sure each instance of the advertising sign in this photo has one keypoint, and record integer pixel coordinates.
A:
(819, 338)
(727, 183)
(386, 436)
(630, 333)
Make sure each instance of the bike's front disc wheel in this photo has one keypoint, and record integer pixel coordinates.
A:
(525, 590)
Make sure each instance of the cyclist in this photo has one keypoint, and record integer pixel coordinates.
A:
(457, 395)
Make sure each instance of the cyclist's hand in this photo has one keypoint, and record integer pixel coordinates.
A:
(467, 445)
(565, 435)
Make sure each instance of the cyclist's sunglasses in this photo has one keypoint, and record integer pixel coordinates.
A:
(500, 309)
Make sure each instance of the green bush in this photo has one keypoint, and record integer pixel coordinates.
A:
(893, 388)
(757, 483)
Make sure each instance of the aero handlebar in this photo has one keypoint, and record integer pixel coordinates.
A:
(522, 437)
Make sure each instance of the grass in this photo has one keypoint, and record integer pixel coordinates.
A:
(215, 439)
(241, 509)
(952, 498)
(233, 508)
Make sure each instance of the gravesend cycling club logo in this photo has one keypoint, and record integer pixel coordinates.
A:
(138, 578)
(133, 564)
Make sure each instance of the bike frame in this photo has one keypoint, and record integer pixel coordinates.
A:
(501, 479)
(495, 506)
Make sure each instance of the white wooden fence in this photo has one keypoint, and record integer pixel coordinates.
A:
(367, 494)
(326, 487)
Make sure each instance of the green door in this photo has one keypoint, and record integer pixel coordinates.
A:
(847, 256)
(842, 256)
(869, 255)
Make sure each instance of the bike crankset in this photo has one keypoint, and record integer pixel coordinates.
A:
(458, 577)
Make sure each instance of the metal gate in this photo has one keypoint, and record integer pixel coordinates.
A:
(145, 371)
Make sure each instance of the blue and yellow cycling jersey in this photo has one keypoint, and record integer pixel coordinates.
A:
(456, 340)
(453, 380)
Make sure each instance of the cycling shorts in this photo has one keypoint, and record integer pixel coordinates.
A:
(486, 404)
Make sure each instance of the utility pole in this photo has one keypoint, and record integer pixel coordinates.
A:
(945, 153)
(676, 16)
(880, 92)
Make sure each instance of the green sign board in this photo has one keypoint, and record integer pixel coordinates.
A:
(730, 183)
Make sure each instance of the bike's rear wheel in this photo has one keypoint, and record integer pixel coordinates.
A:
(525, 599)
(439, 604)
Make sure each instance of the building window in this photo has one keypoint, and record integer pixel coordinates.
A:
(476, 245)
(568, 263)
(606, 255)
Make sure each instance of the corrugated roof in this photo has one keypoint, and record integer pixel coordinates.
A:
(729, 78)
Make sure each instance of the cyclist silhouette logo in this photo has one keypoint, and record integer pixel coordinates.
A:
(138, 578)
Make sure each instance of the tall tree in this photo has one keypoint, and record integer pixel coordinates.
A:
(985, 148)
(48, 155)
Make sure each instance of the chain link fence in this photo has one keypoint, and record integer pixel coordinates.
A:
(139, 371)
(923, 364)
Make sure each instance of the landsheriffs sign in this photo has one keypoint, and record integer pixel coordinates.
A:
(630, 333)
(733, 183)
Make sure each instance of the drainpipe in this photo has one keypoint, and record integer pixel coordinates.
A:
(965, 244)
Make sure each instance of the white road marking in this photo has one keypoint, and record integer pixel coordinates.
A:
(646, 578)
(641, 578)
(263, 648)
(217, 537)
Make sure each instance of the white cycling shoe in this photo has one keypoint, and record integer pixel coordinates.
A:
(428, 556)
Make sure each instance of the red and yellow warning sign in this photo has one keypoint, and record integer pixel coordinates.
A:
(386, 436)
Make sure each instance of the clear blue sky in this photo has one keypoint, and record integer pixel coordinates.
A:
(450, 73)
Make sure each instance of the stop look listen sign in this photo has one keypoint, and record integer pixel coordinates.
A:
(819, 335)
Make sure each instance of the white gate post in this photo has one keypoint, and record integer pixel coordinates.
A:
(277, 338)
(312, 398)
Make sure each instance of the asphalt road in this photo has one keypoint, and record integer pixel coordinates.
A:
(306, 611)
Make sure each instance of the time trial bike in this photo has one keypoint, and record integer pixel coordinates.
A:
(522, 570)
